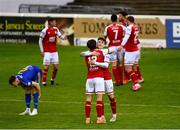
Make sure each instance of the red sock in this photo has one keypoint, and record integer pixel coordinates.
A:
(133, 77)
(113, 104)
(44, 75)
(88, 109)
(54, 73)
(99, 108)
(138, 73)
(126, 76)
(120, 69)
(116, 75)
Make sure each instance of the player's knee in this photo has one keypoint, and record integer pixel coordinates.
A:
(34, 90)
(89, 98)
(120, 65)
(135, 66)
(27, 91)
(55, 68)
(128, 69)
(46, 68)
(112, 98)
(114, 64)
(99, 97)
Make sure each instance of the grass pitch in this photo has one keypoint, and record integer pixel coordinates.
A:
(156, 105)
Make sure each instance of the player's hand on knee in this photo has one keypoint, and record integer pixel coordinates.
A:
(120, 48)
(39, 96)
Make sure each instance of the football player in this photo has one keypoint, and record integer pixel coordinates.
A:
(28, 78)
(48, 48)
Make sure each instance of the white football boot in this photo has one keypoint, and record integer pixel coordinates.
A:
(141, 80)
(34, 112)
(113, 119)
(26, 112)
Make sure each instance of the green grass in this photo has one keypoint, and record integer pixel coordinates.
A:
(156, 105)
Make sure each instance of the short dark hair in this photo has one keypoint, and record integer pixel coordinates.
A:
(102, 39)
(12, 79)
(130, 18)
(123, 13)
(113, 17)
(51, 19)
(91, 44)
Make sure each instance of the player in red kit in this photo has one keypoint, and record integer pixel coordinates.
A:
(123, 21)
(123, 18)
(95, 82)
(48, 48)
(136, 65)
(131, 51)
(115, 33)
(109, 88)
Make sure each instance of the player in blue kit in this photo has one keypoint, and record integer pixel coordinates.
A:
(28, 78)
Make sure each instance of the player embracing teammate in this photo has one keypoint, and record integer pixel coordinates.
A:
(108, 84)
(95, 81)
(132, 52)
(123, 40)
(115, 33)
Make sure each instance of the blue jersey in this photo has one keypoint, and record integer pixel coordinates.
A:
(28, 74)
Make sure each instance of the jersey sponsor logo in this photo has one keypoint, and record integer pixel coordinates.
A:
(52, 39)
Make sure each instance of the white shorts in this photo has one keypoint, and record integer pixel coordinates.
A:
(131, 58)
(109, 89)
(95, 85)
(139, 57)
(50, 58)
(116, 55)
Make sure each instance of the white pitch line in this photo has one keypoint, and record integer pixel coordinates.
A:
(77, 103)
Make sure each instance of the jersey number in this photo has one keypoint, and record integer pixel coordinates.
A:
(23, 70)
(94, 58)
(116, 34)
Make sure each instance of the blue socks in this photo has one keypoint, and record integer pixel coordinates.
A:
(28, 100)
(36, 96)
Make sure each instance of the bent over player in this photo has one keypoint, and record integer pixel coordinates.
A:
(28, 78)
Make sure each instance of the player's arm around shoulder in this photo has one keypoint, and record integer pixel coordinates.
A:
(100, 64)
(88, 53)
(38, 88)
